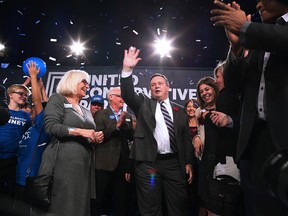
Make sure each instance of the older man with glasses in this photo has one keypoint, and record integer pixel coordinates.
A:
(111, 159)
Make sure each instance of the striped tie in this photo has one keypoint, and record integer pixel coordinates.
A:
(170, 126)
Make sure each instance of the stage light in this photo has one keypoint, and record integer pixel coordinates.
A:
(163, 47)
(77, 48)
(2, 47)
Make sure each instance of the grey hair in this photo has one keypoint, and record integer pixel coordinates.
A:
(68, 83)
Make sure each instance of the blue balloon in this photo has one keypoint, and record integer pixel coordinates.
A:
(39, 63)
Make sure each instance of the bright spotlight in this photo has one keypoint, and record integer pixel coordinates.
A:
(162, 47)
(2, 47)
(77, 48)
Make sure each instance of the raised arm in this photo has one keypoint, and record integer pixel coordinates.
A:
(42, 90)
(36, 96)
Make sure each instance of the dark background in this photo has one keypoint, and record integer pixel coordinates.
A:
(106, 26)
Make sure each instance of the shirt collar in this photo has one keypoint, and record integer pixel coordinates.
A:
(285, 17)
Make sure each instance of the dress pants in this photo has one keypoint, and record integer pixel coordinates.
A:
(162, 178)
(111, 191)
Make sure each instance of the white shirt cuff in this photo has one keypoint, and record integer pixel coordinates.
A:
(126, 74)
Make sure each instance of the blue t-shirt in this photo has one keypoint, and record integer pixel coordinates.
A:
(11, 133)
(27, 147)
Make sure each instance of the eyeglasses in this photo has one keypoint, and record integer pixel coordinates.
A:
(85, 82)
(117, 95)
(21, 94)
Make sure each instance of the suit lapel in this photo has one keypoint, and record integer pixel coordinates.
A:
(153, 105)
(111, 114)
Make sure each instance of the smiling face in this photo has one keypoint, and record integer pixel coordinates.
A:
(159, 88)
(190, 109)
(271, 10)
(18, 95)
(82, 88)
(208, 95)
(115, 99)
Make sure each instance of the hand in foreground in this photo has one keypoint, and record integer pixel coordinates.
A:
(32, 69)
(122, 120)
(220, 119)
(99, 136)
(89, 134)
(198, 146)
(128, 177)
(230, 17)
(130, 58)
(188, 168)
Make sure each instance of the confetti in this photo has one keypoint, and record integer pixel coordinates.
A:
(52, 58)
(48, 31)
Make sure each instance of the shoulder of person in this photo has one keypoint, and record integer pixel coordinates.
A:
(176, 106)
(102, 112)
(57, 96)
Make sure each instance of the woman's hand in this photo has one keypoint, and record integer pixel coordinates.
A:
(198, 146)
(90, 134)
(99, 136)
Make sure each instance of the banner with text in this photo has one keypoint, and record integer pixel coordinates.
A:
(183, 81)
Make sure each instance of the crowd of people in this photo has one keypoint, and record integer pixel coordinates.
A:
(205, 157)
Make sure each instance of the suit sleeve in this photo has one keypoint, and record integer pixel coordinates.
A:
(130, 97)
(266, 37)
(103, 123)
(54, 115)
(234, 73)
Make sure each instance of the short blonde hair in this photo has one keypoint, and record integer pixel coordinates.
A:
(14, 87)
(68, 83)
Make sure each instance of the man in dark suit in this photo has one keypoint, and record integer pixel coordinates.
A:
(162, 167)
(261, 78)
(111, 156)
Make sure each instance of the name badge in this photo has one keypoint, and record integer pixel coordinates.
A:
(111, 116)
(68, 105)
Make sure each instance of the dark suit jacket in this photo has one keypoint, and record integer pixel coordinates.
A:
(245, 75)
(145, 146)
(115, 144)
(229, 104)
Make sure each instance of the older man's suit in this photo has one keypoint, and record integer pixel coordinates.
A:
(145, 148)
(111, 160)
(259, 139)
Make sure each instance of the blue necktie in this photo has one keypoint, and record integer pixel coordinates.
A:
(170, 126)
